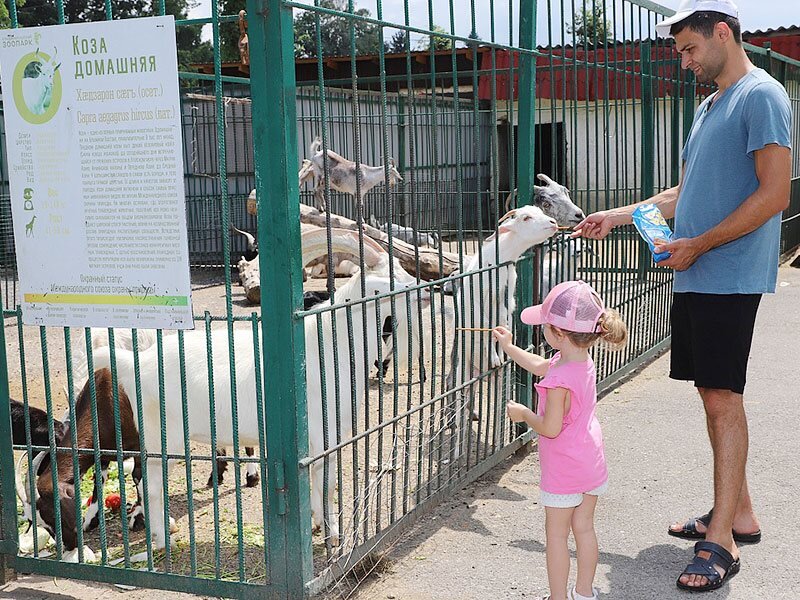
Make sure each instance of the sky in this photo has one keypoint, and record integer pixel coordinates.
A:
(754, 15)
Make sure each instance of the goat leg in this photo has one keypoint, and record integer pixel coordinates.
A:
(319, 198)
(222, 466)
(252, 469)
(136, 512)
(92, 517)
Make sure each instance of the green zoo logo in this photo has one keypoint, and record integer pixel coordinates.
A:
(37, 87)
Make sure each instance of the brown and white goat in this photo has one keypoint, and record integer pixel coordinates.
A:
(123, 339)
(64, 494)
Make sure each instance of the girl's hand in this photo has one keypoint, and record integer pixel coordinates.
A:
(503, 336)
(516, 412)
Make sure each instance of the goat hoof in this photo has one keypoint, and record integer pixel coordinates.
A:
(474, 415)
(173, 526)
(136, 523)
(91, 524)
(253, 479)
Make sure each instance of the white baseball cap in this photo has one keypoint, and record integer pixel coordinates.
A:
(688, 7)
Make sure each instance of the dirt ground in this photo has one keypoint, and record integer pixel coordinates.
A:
(387, 462)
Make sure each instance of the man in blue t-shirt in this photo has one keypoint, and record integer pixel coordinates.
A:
(735, 184)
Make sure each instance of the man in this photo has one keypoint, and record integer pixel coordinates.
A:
(735, 184)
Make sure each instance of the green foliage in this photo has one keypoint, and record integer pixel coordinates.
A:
(229, 32)
(191, 49)
(589, 27)
(335, 32)
(5, 16)
(397, 43)
(438, 42)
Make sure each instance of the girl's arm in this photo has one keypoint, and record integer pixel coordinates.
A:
(550, 424)
(527, 360)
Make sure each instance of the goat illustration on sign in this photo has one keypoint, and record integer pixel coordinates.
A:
(37, 82)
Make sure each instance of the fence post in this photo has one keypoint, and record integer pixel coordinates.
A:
(272, 81)
(526, 144)
(648, 142)
(9, 536)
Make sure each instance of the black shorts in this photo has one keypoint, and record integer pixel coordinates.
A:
(711, 337)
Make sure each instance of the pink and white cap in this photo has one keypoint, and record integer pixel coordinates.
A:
(572, 306)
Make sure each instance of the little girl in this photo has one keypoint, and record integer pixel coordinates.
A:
(570, 444)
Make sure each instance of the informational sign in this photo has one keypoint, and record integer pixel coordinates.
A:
(93, 133)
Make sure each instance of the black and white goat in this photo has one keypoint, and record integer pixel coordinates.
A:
(343, 175)
(409, 234)
(554, 200)
(347, 330)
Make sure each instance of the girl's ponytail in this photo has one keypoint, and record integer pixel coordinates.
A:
(613, 330)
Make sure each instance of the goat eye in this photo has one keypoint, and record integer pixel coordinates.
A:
(526, 219)
(546, 204)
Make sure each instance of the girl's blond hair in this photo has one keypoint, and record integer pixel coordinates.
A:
(613, 332)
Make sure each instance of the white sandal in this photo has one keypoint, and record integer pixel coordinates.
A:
(574, 595)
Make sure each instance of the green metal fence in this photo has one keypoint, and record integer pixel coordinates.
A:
(363, 450)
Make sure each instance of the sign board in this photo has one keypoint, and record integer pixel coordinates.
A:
(95, 159)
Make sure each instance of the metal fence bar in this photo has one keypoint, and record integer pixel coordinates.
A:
(272, 80)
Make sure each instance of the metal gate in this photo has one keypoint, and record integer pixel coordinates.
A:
(371, 407)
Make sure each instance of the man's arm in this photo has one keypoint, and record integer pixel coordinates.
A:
(773, 166)
(598, 225)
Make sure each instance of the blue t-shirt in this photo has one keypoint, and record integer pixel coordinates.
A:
(720, 174)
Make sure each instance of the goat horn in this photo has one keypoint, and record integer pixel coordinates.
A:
(22, 494)
(315, 245)
(546, 179)
(508, 215)
(251, 240)
(509, 199)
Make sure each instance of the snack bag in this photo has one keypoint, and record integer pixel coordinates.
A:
(650, 224)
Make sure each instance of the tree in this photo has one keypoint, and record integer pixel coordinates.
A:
(398, 43)
(334, 32)
(191, 48)
(589, 27)
(229, 32)
(439, 42)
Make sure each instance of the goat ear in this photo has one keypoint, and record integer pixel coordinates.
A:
(501, 229)
(66, 490)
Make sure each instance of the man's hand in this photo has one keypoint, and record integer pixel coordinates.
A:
(597, 225)
(684, 251)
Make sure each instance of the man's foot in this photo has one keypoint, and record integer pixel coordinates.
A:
(744, 532)
(710, 568)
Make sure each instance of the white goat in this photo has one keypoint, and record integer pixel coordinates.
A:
(347, 332)
(37, 91)
(487, 298)
(146, 338)
(561, 262)
(554, 200)
(342, 175)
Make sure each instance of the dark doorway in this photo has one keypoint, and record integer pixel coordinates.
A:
(550, 154)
